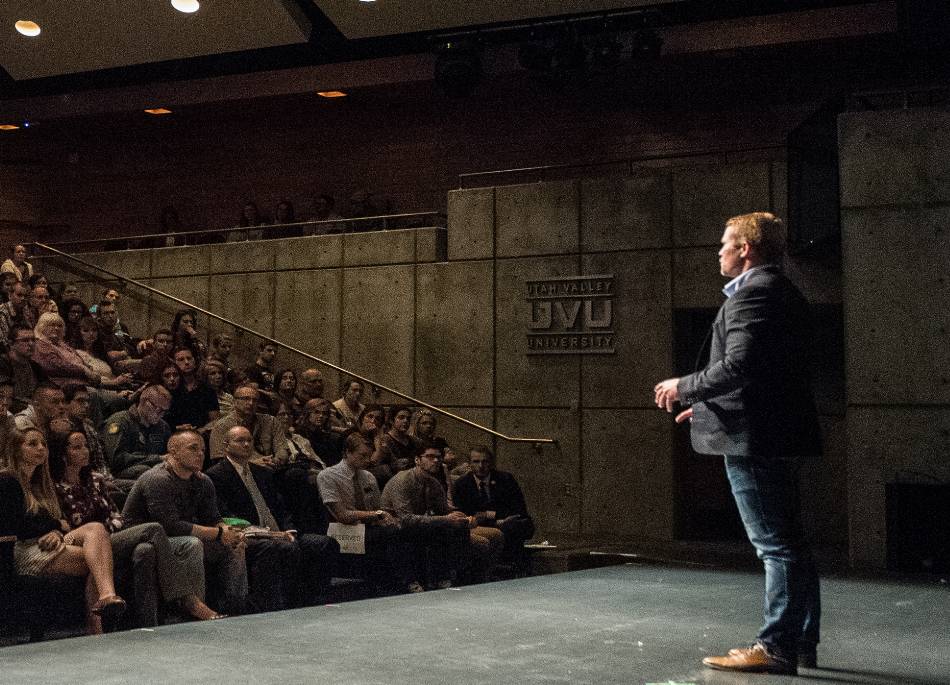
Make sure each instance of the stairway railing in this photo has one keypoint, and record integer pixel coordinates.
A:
(307, 355)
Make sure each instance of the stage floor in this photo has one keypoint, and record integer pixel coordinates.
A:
(621, 624)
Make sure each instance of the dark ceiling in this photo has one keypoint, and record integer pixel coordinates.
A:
(93, 45)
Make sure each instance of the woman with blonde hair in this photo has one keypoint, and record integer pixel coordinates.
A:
(46, 546)
(59, 361)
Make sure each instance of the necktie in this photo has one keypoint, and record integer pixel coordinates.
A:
(264, 517)
(358, 492)
(483, 497)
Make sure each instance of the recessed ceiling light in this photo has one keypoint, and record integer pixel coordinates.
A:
(158, 110)
(186, 6)
(331, 93)
(367, 0)
(28, 28)
(8, 127)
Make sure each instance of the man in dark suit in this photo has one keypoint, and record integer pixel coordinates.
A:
(495, 499)
(753, 404)
(283, 568)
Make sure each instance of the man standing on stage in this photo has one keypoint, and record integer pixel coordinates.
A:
(753, 404)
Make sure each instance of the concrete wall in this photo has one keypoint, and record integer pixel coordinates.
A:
(895, 210)
(453, 331)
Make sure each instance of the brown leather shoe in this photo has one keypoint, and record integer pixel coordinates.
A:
(752, 659)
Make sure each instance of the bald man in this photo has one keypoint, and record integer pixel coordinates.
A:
(284, 568)
(176, 494)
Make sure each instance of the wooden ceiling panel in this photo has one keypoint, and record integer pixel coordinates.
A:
(89, 35)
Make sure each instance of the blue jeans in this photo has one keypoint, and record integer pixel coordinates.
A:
(766, 492)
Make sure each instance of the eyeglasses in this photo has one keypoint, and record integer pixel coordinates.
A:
(154, 405)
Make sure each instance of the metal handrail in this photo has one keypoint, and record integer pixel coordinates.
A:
(265, 228)
(367, 381)
(629, 162)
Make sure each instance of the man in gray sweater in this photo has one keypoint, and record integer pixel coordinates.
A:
(179, 496)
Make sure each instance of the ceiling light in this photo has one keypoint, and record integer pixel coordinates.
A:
(158, 110)
(28, 28)
(186, 6)
(8, 127)
(331, 93)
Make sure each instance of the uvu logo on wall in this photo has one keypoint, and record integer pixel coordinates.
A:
(571, 315)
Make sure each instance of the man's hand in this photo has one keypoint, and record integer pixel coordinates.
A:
(686, 415)
(457, 519)
(388, 520)
(666, 394)
(232, 537)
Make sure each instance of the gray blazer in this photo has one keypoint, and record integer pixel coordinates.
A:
(754, 397)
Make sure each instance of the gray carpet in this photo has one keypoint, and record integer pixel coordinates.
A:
(622, 624)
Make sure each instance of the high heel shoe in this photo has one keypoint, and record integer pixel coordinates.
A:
(109, 608)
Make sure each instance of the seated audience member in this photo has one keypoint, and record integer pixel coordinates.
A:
(454, 467)
(395, 448)
(323, 208)
(17, 264)
(349, 407)
(284, 214)
(309, 387)
(417, 499)
(90, 348)
(359, 205)
(70, 292)
(7, 282)
(352, 496)
(18, 366)
(270, 442)
(276, 564)
(169, 378)
(60, 362)
(76, 398)
(46, 411)
(214, 374)
(194, 404)
(37, 303)
(423, 431)
(495, 499)
(118, 343)
(299, 448)
(157, 355)
(262, 370)
(298, 480)
(136, 439)
(176, 494)
(38, 280)
(185, 333)
(313, 423)
(73, 311)
(176, 563)
(250, 217)
(7, 424)
(285, 388)
(11, 313)
(44, 545)
(221, 346)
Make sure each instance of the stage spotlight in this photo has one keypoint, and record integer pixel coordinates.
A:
(646, 44)
(458, 68)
